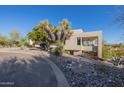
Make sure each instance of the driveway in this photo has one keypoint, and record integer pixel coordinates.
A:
(24, 70)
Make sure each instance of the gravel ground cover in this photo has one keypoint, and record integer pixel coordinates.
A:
(89, 73)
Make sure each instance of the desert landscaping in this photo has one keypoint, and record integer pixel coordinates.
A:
(46, 53)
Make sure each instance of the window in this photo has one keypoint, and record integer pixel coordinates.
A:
(78, 41)
(96, 42)
(86, 42)
(82, 41)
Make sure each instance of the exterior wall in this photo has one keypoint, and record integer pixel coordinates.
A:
(71, 43)
(30, 42)
(100, 45)
(87, 48)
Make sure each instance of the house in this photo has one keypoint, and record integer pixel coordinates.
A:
(81, 41)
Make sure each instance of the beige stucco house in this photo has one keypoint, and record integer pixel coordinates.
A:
(81, 41)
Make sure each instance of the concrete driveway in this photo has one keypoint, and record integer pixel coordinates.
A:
(23, 70)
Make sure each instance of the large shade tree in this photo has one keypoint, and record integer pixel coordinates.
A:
(37, 34)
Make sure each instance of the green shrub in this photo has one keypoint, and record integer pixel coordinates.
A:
(21, 43)
(106, 53)
(58, 51)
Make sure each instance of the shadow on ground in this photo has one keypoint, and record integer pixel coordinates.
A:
(34, 72)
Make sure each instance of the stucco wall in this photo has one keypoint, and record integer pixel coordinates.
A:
(71, 44)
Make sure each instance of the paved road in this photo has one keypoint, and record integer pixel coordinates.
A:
(22, 70)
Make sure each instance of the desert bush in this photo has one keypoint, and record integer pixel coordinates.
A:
(58, 50)
(106, 52)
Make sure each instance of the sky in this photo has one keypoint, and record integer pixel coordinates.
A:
(88, 18)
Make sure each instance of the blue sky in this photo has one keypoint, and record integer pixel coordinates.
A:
(89, 18)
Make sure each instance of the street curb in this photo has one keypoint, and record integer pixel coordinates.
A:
(61, 79)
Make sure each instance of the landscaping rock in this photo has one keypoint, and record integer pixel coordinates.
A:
(91, 73)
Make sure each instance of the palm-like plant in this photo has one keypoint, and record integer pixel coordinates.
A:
(55, 33)
(49, 29)
(65, 29)
(45, 31)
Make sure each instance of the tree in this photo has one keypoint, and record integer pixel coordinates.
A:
(15, 36)
(23, 41)
(46, 32)
(4, 41)
(48, 28)
(38, 34)
(65, 29)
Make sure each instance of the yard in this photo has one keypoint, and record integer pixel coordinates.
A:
(83, 72)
